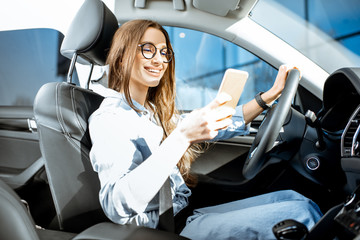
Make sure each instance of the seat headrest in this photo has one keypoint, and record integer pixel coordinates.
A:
(90, 33)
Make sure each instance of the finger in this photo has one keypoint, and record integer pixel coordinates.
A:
(300, 75)
(208, 136)
(281, 76)
(290, 67)
(218, 125)
(213, 134)
(283, 70)
(220, 113)
(224, 112)
(220, 99)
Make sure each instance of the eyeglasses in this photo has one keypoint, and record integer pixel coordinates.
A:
(149, 51)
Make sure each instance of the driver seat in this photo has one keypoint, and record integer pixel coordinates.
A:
(61, 111)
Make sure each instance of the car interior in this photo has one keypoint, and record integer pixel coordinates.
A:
(64, 134)
(312, 148)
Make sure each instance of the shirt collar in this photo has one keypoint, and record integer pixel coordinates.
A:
(111, 93)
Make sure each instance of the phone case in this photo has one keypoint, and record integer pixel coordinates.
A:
(233, 84)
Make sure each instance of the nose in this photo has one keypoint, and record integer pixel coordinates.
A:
(158, 58)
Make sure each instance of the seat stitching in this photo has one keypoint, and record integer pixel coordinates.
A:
(73, 103)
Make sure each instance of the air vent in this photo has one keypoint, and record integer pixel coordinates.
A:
(349, 138)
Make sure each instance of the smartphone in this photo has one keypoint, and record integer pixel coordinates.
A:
(233, 84)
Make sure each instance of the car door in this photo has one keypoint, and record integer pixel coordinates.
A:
(20, 157)
(29, 58)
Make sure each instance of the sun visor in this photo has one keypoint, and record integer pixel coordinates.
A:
(220, 8)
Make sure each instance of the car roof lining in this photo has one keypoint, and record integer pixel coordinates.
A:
(219, 8)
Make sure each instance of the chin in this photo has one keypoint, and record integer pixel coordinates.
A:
(153, 83)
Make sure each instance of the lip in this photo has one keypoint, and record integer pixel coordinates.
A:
(153, 71)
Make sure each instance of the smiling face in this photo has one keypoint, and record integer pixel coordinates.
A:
(147, 73)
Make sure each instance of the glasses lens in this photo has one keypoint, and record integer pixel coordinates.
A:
(148, 50)
(166, 54)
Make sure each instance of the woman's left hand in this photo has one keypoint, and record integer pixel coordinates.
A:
(275, 91)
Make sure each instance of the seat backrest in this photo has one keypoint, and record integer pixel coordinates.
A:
(16, 222)
(62, 110)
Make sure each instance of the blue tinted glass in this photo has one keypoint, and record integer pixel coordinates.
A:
(353, 43)
(29, 58)
(336, 17)
(315, 27)
(201, 61)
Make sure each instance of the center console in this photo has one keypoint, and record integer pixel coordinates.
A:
(349, 216)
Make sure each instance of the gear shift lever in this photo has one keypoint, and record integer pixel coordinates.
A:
(290, 230)
(313, 121)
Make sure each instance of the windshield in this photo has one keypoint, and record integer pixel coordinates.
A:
(326, 31)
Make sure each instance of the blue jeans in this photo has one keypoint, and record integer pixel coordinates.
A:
(251, 218)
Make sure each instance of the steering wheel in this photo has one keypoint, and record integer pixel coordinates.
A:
(270, 128)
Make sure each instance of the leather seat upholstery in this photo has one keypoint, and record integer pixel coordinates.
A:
(13, 213)
(90, 33)
(16, 222)
(61, 111)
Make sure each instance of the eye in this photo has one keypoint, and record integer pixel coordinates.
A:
(148, 48)
(164, 51)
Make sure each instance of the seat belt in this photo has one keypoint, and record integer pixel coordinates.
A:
(166, 212)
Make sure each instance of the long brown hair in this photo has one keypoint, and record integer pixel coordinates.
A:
(161, 99)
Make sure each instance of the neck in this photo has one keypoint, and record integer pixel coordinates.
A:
(138, 93)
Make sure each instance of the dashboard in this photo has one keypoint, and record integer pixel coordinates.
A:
(341, 99)
(334, 164)
(337, 163)
(341, 107)
(350, 146)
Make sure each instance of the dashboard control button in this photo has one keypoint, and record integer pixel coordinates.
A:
(313, 163)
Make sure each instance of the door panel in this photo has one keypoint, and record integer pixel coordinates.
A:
(217, 162)
(20, 157)
(221, 153)
(219, 172)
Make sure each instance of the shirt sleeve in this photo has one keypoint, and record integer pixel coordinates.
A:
(113, 156)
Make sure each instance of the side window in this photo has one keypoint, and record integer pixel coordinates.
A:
(201, 61)
(29, 58)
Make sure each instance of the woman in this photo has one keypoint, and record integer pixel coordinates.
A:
(138, 142)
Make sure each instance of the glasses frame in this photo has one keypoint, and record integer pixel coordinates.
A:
(156, 50)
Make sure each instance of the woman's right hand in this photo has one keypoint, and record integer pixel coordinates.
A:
(203, 124)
